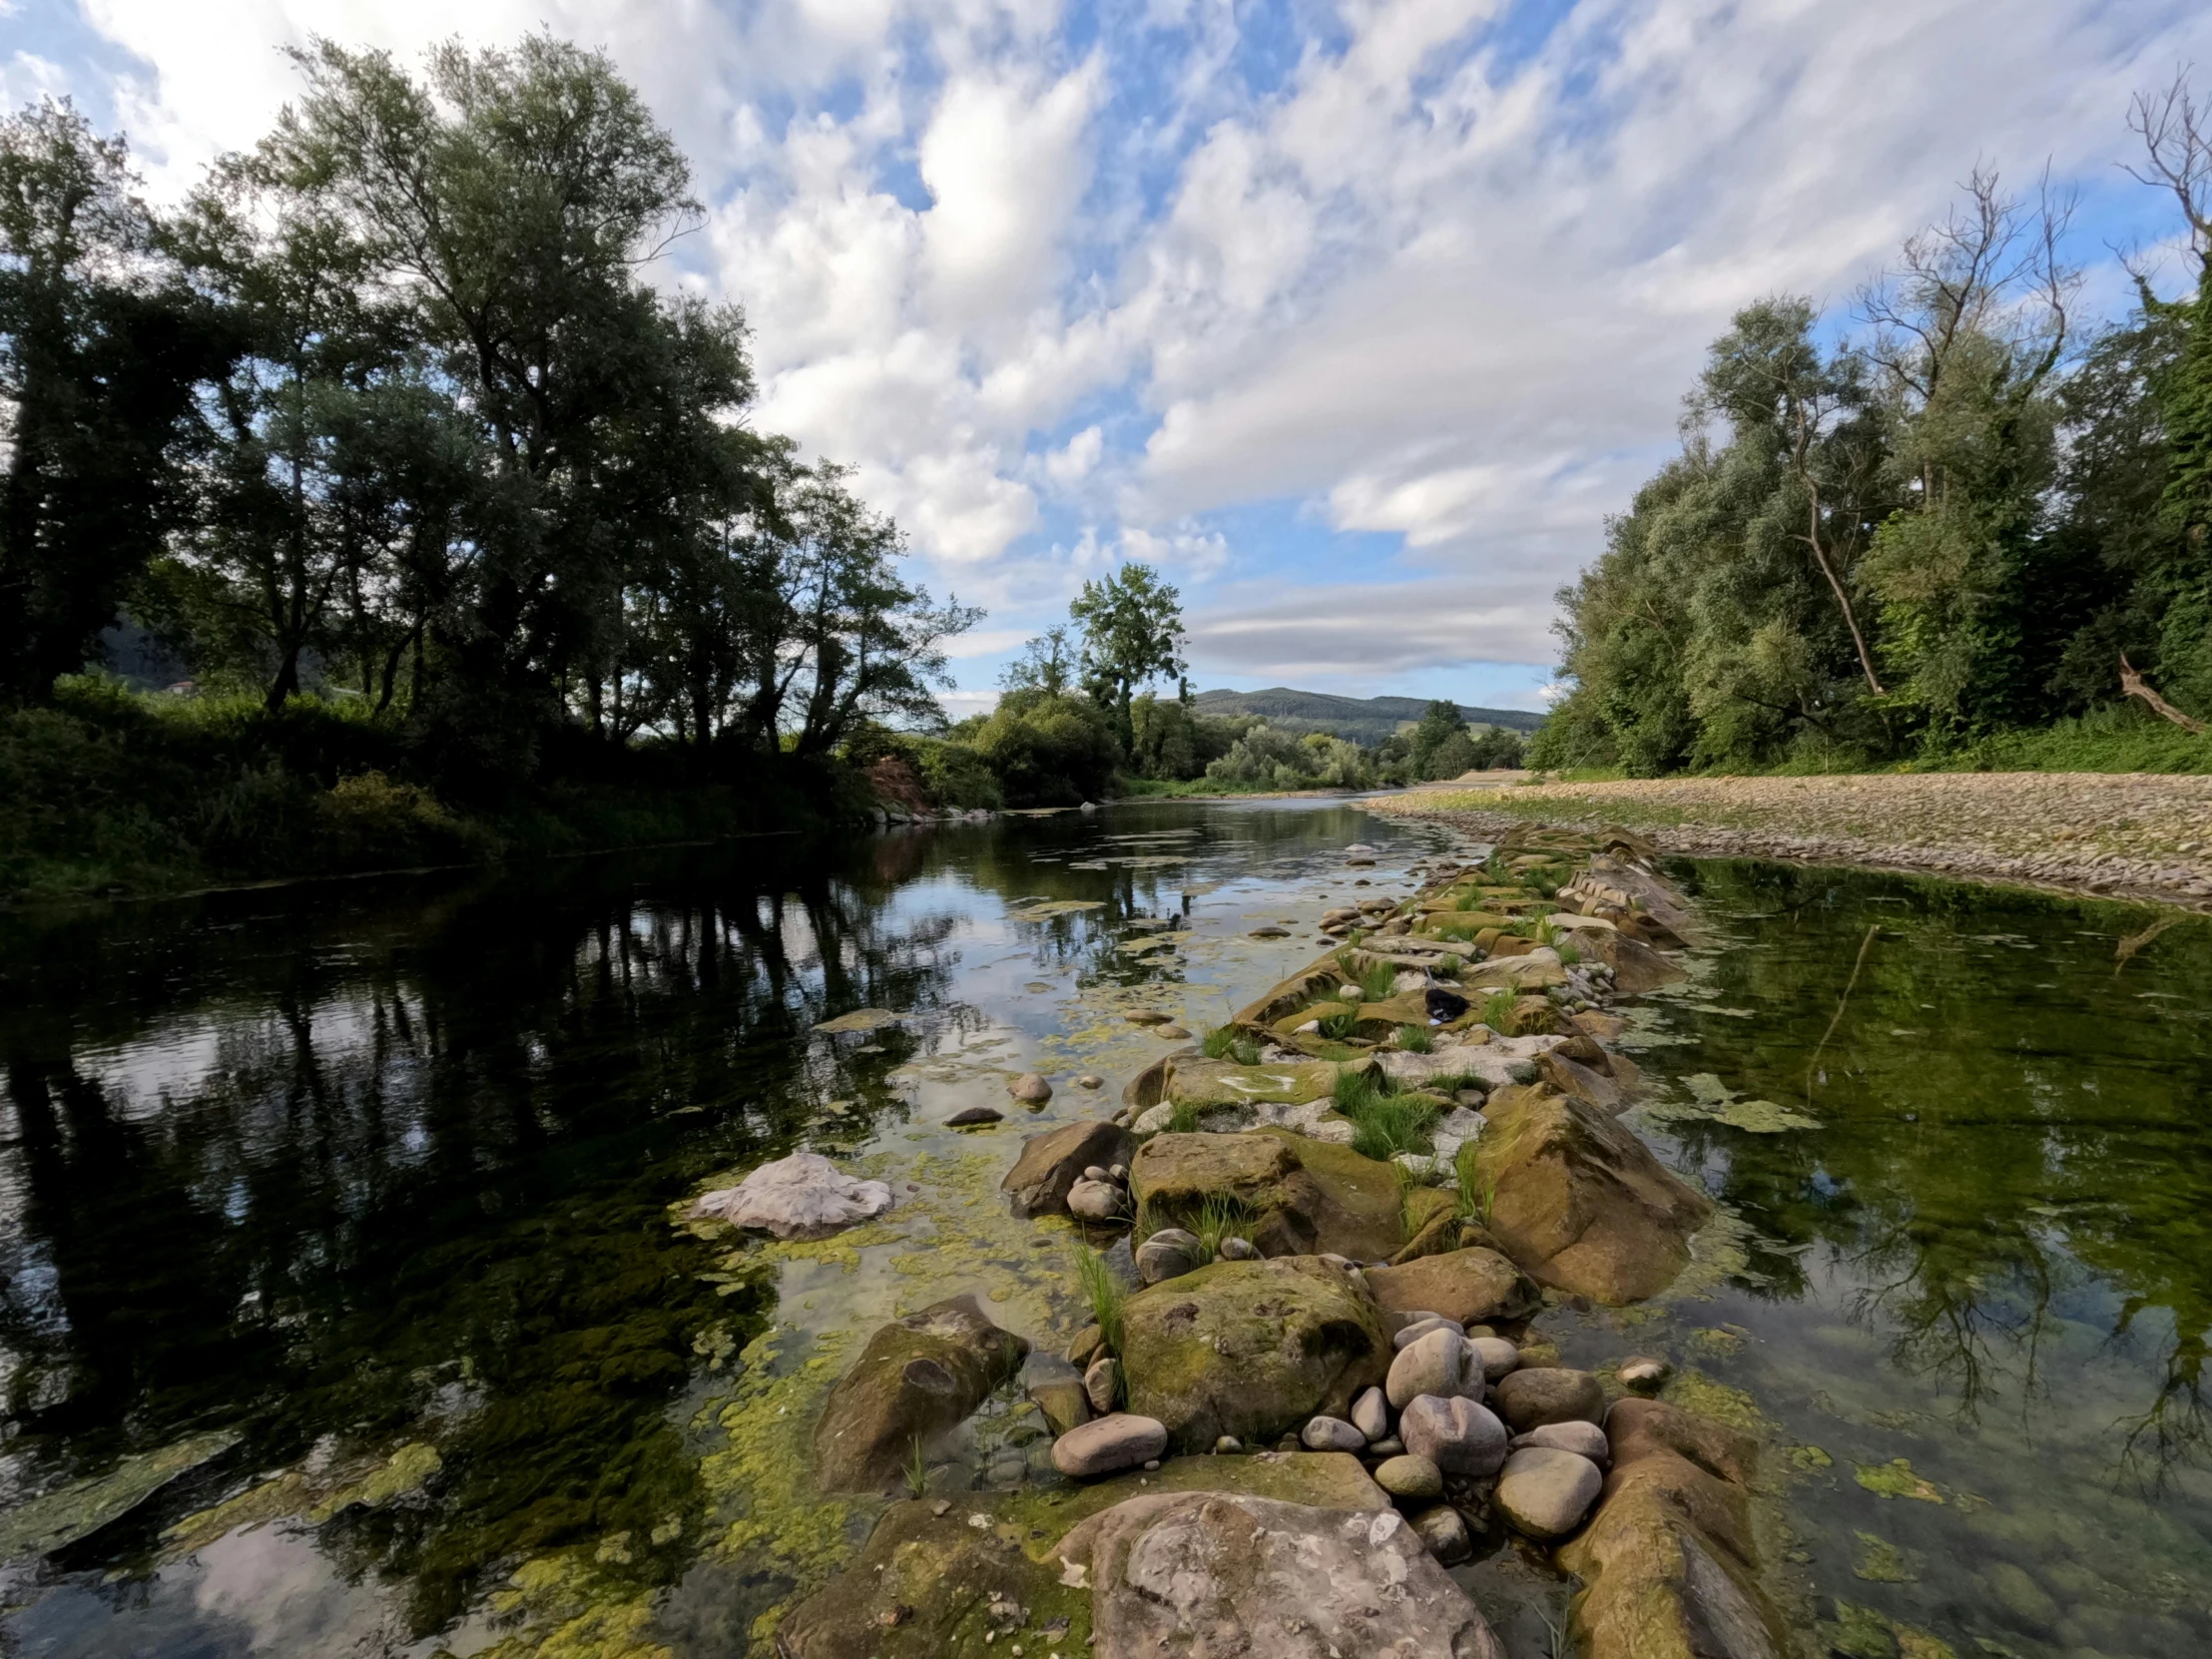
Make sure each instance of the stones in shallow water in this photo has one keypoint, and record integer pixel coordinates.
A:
(1409, 1477)
(1643, 1374)
(1031, 1089)
(1052, 1163)
(973, 1116)
(1096, 1201)
(1168, 1254)
(1057, 1388)
(916, 1378)
(1120, 1440)
(78, 1510)
(1331, 1434)
(1544, 1492)
(803, 1196)
(1458, 1436)
(1302, 1196)
(1090, 1080)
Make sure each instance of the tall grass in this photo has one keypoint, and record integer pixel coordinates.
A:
(1103, 1291)
(1226, 1042)
(1221, 1217)
(1378, 983)
(1448, 967)
(917, 1468)
(1472, 1187)
(1415, 1039)
(1392, 1126)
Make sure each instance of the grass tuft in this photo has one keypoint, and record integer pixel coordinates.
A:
(1103, 1291)
(1475, 1190)
(1415, 1039)
(917, 1468)
(1227, 1042)
(1497, 1013)
(1221, 1217)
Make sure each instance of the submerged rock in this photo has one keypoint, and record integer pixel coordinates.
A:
(1052, 1163)
(1057, 1388)
(58, 1519)
(1472, 1286)
(803, 1196)
(916, 1378)
(1251, 1348)
(1580, 1202)
(1185, 1572)
(1031, 1089)
(973, 1116)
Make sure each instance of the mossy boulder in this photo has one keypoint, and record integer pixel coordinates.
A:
(915, 1379)
(1303, 1197)
(1306, 986)
(1205, 1083)
(1252, 1348)
(1473, 1287)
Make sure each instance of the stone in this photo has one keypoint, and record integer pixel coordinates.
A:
(1095, 1171)
(1579, 1201)
(1121, 1441)
(1437, 1363)
(1408, 1476)
(1052, 1163)
(1147, 1016)
(1388, 1447)
(1228, 1445)
(1545, 1494)
(1101, 1377)
(1636, 966)
(1096, 1201)
(1031, 1089)
(1084, 1348)
(1205, 1083)
(975, 1115)
(917, 1377)
(1251, 1348)
(1173, 1033)
(1305, 1196)
(1233, 1248)
(1168, 1254)
(1636, 1427)
(803, 1196)
(1090, 1080)
(1472, 1286)
(1443, 1533)
(1193, 1573)
(1421, 1327)
(1057, 1388)
(1498, 1356)
(1458, 1436)
(1331, 1434)
(1537, 1395)
(1370, 1415)
(1643, 1374)
(1584, 1440)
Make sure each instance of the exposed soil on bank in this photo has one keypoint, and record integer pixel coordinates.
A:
(2128, 834)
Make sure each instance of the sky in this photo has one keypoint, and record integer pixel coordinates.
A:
(1356, 320)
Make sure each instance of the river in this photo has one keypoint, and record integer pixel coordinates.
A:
(355, 1196)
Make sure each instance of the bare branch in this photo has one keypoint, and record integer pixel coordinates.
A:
(2177, 151)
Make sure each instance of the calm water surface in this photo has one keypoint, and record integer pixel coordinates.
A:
(376, 1176)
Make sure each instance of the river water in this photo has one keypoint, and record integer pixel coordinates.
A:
(356, 1198)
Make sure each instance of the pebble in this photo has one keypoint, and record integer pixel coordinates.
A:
(1095, 1200)
(1445, 1534)
(1422, 1328)
(1168, 1254)
(1173, 1033)
(1090, 1080)
(975, 1115)
(1238, 1250)
(1096, 1171)
(1146, 1016)
(1121, 1441)
(1644, 1373)
(1458, 1436)
(1438, 1364)
(1498, 1356)
(1584, 1440)
(1544, 1492)
(1388, 1447)
(1031, 1089)
(1411, 1476)
(1228, 1445)
(1331, 1434)
(1370, 1414)
(940, 1508)
(1098, 1383)
(1537, 1395)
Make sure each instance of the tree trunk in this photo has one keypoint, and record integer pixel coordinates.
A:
(2134, 685)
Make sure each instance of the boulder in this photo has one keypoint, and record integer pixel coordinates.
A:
(1147, 1087)
(1201, 1573)
(1584, 1440)
(1031, 1089)
(1634, 1428)
(1438, 1364)
(1636, 966)
(1303, 1197)
(1052, 1163)
(1332, 1434)
(1579, 1201)
(1442, 1532)
(916, 1378)
(1408, 1476)
(1583, 1081)
(1472, 1287)
(973, 1116)
(1168, 1254)
(1291, 995)
(803, 1196)
(1458, 1436)
(1537, 1395)
(1204, 1083)
(1121, 1441)
(1251, 1348)
(1543, 1492)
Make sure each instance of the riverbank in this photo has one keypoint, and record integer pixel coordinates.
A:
(2125, 834)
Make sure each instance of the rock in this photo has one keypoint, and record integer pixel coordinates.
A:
(1052, 1163)
(1194, 1574)
(1421, 1327)
(1096, 1201)
(1458, 1436)
(1206, 1083)
(1585, 1083)
(1173, 1033)
(1304, 1197)
(1094, 1172)
(1498, 1356)
(1545, 1494)
(1438, 1364)
(1119, 1441)
(1090, 1080)
(1636, 966)
(1031, 1089)
(803, 1196)
(1233, 1248)
(916, 1378)
(1147, 1087)
(1472, 1286)
(1408, 1476)
(1443, 1533)
(1228, 1445)
(1584, 1440)
(1637, 1427)
(1147, 1016)
(1084, 1348)
(61, 1517)
(1643, 1374)
(1537, 1395)
(975, 1115)
(1370, 1415)
(1100, 1381)
(1057, 1388)
(1251, 1348)
(1388, 1447)
(1332, 1434)
(1579, 1201)
(1168, 1254)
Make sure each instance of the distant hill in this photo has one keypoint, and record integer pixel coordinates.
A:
(1363, 718)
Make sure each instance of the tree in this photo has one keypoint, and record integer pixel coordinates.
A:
(1047, 664)
(101, 349)
(1433, 742)
(1132, 626)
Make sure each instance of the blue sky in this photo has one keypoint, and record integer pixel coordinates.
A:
(1356, 320)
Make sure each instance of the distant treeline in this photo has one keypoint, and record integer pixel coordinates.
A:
(1978, 513)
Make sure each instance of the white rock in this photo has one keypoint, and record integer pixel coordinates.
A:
(1498, 1356)
(1095, 1200)
(803, 1196)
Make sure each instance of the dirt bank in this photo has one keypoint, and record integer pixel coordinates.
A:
(2124, 834)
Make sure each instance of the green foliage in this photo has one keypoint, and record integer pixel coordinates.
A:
(1103, 1291)
(1497, 1013)
(1045, 749)
(1342, 1023)
(1448, 967)
(1377, 982)
(1132, 626)
(1473, 1189)
(955, 774)
(1268, 757)
(1386, 1126)
(916, 1471)
(1415, 1039)
(1220, 1216)
(1229, 1042)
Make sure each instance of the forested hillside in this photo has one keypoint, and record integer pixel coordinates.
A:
(1367, 719)
(1962, 512)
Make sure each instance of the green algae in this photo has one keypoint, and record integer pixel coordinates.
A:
(1878, 1561)
(405, 1473)
(1698, 1393)
(60, 1518)
(1895, 1479)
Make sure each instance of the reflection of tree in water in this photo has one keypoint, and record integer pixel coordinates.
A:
(1999, 1116)
(364, 1178)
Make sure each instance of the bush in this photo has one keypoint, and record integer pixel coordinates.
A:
(1046, 748)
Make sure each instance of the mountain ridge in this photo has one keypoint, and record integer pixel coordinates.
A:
(1364, 719)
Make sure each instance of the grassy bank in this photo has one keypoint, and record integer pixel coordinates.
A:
(112, 793)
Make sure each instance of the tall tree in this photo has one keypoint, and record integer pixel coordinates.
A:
(1132, 626)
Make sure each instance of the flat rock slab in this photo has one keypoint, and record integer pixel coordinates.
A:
(1211, 1575)
(916, 1378)
(1203, 1083)
(1305, 1196)
(803, 1196)
(1470, 1287)
(1052, 1163)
